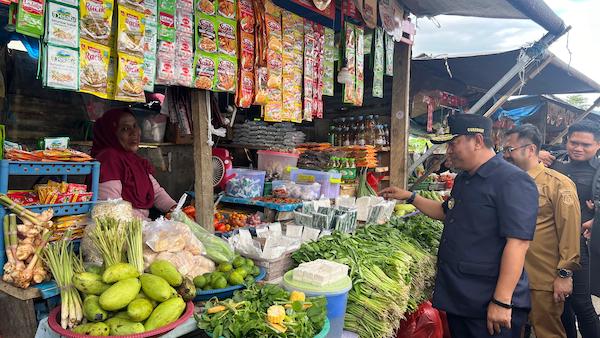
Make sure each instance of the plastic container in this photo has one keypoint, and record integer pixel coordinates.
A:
(330, 181)
(322, 334)
(337, 297)
(290, 189)
(153, 127)
(245, 183)
(275, 163)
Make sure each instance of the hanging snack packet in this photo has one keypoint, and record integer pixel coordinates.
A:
(185, 45)
(226, 74)
(165, 63)
(184, 70)
(151, 10)
(185, 22)
(62, 25)
(350, 55)
(30, 18)
(204, 71)
(360, 66)
(226, 8)
(274, 52)
(149, 73)
(207, 7)
(245, 93)
(226, 34)
(166, 20)
(150, 39)
(95, 20)
(137, 5)
(260, 86)
(328, 62)
(186, 6)
(272, 111)
(206, 33)
(62, 68)
(72, 3)
(93, 68)
(246, 16)
(131, 31)
(246, 51)
(378, 63)
(130, 77)
(389, 55)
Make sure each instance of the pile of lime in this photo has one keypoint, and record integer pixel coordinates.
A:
(240, 271)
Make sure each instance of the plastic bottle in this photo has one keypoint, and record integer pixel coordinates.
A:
(331, 135)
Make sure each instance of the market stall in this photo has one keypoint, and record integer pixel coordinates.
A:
(297, 112)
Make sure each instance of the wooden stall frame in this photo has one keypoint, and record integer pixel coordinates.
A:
(400, 116)
(203, 174)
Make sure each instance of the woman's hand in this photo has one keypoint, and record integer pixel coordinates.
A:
(393, 193)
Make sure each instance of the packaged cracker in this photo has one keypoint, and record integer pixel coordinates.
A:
(184, 70)
(378, 62)
(360, 66)
(62, 25)
(185, 22)
(137, 5)
(272, 110)
(207, 7)
(30, 18)
(274, 52)
(150, 39)
(247, 51)
(62, 68)
(93, 68)
(130, 79)
(226, 33)
(149, 73)
(165, 69)
(204, 70)
(131, 31)
(226, 74)
(246, 19)
(206, 33)
(328, 62)
(166, 20)
(151, 10)
(226, 8)
(95, 20)
(185, 45)
(245, 93)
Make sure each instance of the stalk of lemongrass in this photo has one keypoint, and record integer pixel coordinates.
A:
(109, 237)
(135, 255)
(7, 241)
(24, 214)
(14, 241)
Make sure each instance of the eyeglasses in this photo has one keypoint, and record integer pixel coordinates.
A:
(511, 149)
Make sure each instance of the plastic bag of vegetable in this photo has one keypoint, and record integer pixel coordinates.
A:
(216, 249)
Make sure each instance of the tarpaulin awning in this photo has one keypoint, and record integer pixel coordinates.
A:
(516, 114)
(482, 71)
(536, 10)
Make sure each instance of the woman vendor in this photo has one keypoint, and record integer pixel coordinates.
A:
(123, 173)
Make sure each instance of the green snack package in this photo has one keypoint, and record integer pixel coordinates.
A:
(30, 18)
(389, 55)
(378, 63)
(328, 62)
(166, 20)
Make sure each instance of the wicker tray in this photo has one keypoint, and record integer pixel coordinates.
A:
(276, 268)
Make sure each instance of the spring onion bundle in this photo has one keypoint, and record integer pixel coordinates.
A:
(59, 257)
(391, 275)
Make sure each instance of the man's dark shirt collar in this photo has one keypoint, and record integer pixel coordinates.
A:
(486, 169)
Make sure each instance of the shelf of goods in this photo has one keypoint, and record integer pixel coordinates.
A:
(63, 169)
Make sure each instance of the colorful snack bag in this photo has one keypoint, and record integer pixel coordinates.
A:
(247, 51)
(204, 71)
(246, 19)
(137, 5)
(261, 88)
(95, 19)
(30, 18)
(151, 10)
(184, 70)
(165, 63)
(360, 66)
(245, 93)
(130, 79)
(350, 55)
(389, 55)
(272, 111)
(185, 45)
(274, 53)
(93, 68)
(63, 25)
(166, 20)
(186, 6)
(378, 63)
(226, 74)
(150, 39)
(62, 68)
(293, 35)
(207, 7)
(131, 31)
(227, 36)
(328, 62)
(226, 8)
(185, 22)
(149, 73)
(206, 33)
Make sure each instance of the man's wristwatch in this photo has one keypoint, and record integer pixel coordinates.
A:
(564, 273)
(412, 197)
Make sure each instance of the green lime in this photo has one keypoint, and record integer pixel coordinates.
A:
(220, 283)
(238, 261)
(236, 279)
(241, 271)
(215, 276)
(225, 267)
(207, 287)
(200, 281)
(255, 271)
(249, 262)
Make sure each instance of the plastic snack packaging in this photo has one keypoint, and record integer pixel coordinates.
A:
(226, 8)
(206, 33)
(226, 32)
(93, 68)
(30, 17)
(130, 79)
(62, 25)
(226, 74)
(166, 20)
(96, 20)
(131, 32)
(207, 7)
(204, 70)
(62, 68)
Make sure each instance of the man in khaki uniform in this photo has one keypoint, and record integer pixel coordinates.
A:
(554, 252)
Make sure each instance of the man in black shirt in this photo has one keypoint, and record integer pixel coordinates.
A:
(581, 165)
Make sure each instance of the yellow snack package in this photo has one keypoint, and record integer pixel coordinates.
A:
(130, 79)
(131, 31)
(93, 68)
(96, 20)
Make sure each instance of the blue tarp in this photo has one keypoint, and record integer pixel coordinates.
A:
(517, 114)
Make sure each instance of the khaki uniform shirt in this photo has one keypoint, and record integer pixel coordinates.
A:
(556, 241)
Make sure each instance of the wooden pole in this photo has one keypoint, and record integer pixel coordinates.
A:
(203, 183)
(400, 116)
(535, 72)
(579, 118)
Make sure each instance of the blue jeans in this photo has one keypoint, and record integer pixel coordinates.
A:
(578, 307)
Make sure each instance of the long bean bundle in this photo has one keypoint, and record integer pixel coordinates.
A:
(391, 275)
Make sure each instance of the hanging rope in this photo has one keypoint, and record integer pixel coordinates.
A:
(448, 67)
(570, 53)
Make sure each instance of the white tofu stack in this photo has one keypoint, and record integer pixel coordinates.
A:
(320, 272)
